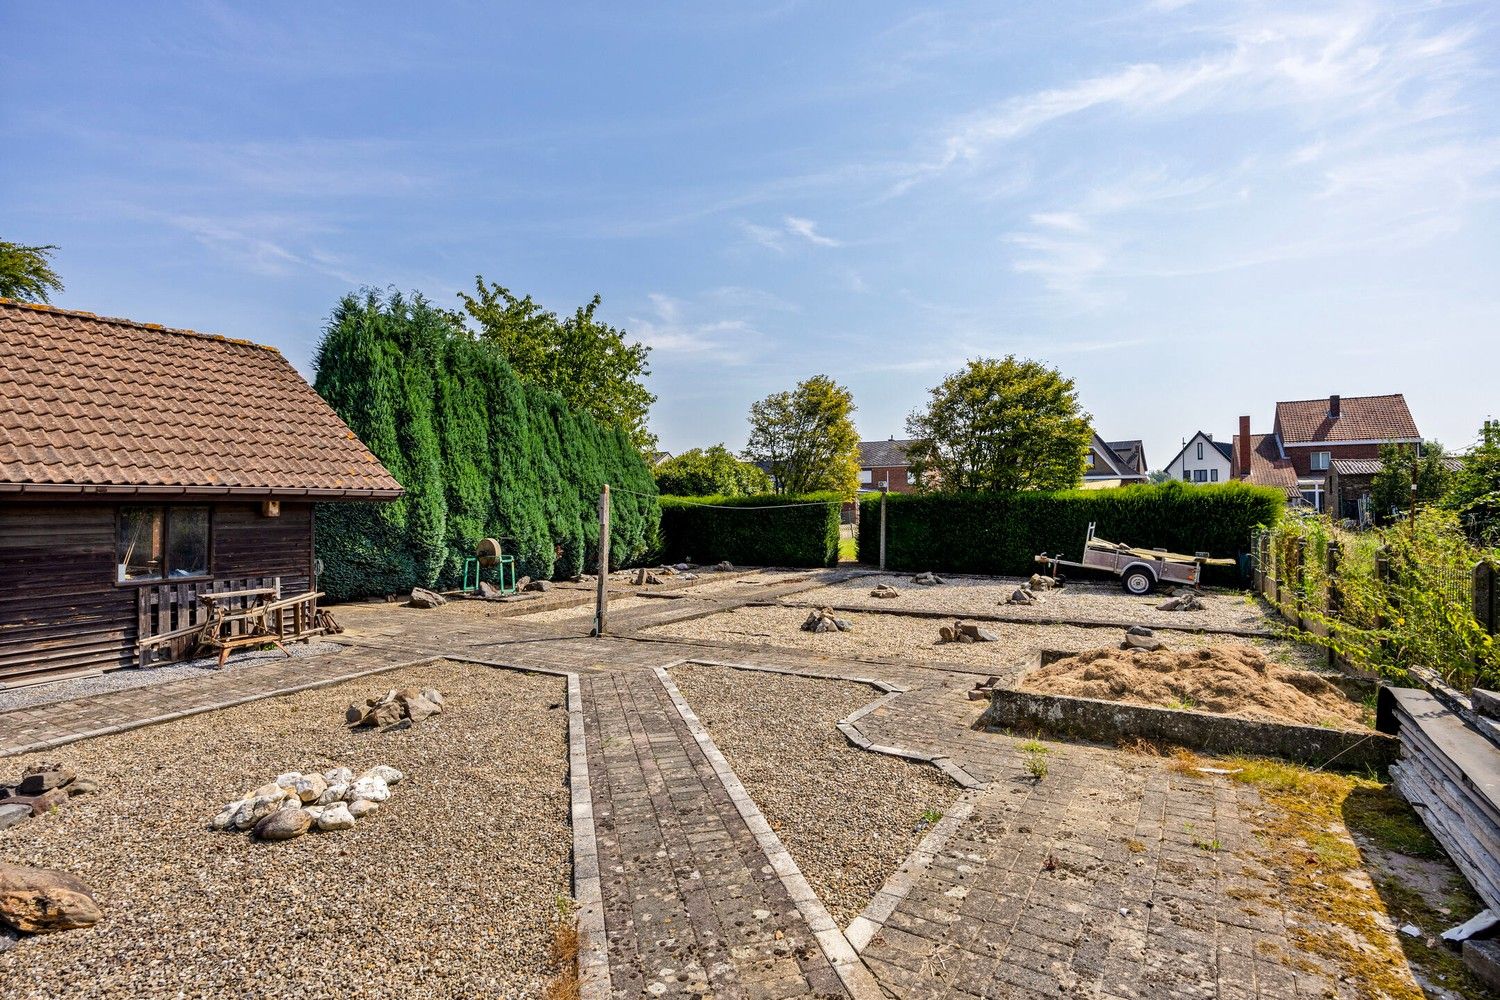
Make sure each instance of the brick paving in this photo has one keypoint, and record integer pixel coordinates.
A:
(1113, 878)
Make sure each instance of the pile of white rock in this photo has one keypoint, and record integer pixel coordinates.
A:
(295, 802)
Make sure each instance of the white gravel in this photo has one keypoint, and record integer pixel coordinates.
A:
(445, 892)
(130, 677)
(763, 578)
(916, 639)
(849, 817)
(1077, 600)
(585, 612)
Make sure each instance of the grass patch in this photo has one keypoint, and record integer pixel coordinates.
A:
(848, 550)
(562, 982)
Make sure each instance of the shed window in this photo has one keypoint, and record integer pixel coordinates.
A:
(157, 543)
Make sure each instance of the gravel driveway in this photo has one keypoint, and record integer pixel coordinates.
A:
(849, 817)
(1078, 601)
(445, 892)
(915, 639)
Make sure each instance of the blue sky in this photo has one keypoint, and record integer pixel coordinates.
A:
(1193, 209)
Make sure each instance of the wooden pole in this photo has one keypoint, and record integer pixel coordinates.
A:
(884, 491)
(1333, 602)
(601, 598)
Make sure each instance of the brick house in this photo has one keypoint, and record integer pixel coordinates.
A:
(1309, 435)
(1114, 463)
(884, 463)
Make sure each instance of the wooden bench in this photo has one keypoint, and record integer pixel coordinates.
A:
(274, 622)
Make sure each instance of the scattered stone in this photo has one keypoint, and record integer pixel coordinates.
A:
(369, 787)
(490, 590)
(683, 567)
(1149, 644)
(523, 583)
(390, 775)
(964, 632)
(419, 708)
(928, 580)
(539, 586)
(52, 798)
(335, 817)
(423, 598)
(433, 695)
(336, 792)
(395, 708)
(1023, 596)
(308, 787)
(885, 591)
(1039, 582)
(41, 778)
(361, 808)
(984, 690)
(12, 813)
(1186, 602)
(644, 577)
(823, 620)
(252, 811)
(40, 900)
(283, 824)
(725, 567)
(1139, 630)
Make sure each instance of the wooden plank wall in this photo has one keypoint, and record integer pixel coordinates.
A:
(60, 609)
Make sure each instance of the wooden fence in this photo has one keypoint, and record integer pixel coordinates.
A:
(170, 614)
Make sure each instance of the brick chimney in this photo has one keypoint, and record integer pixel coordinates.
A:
(1333, 407)
(1243, 454)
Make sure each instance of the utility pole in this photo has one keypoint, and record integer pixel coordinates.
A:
(601, 598)
(885, 489)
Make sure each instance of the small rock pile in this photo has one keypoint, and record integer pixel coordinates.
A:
(984, 690)
(1188, 601)
(1139, 637)
(725, 567)
(41, 788)
(40, 900)
(961, 631)
(823, 620)
(643, 577)
(1032, 592)
(408, 705)
(928, 580)
(296, 802)
(885, 591)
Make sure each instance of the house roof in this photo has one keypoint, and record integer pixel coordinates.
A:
(889, 454)
(1371, 466)
(1268, 467)
(1361, 418)
(1132, 454)
(1117, 467)
(1223, 447)
(99, 405)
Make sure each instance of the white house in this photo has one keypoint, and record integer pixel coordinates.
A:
(1202, 460)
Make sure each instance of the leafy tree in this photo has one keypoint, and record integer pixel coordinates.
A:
(1001, 426)
(806, 438)
(1390, 488)
(713, 471)
(586, 362)
(1475, 491)
(1159, 476)
(26, 273)
(479, 452)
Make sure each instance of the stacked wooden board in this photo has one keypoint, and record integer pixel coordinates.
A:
(1450, 773)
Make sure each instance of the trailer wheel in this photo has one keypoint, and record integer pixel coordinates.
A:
(1138, 581)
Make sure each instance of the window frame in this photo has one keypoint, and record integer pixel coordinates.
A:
(1312, 460)
(164, 511)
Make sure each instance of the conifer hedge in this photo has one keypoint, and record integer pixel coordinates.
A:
(479, 453)
(1001, 533)
(790, 531)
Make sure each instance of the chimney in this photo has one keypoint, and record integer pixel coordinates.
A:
(1244, 448)
(1333, 407)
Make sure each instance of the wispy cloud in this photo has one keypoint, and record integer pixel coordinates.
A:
(677, 328)
(793, 229)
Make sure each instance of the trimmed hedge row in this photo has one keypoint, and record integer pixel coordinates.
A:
(734, 528)
(1002, 533)
(479, 452)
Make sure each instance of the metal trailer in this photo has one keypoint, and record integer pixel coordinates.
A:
(1139, 570)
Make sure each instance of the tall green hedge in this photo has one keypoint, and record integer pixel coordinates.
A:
(479, 453)
(752, 531)
(1001, 533)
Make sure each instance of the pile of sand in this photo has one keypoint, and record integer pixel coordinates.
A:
(1225, 680)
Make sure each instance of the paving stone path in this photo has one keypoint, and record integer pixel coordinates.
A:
(1115, 878)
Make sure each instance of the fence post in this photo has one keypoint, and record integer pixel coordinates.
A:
(884, 492)
(1299, 588)
(601, 596)
(1486, 607)
(1333, 602)
(1383, 583)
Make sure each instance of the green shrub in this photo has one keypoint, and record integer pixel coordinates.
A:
(479, 453)
(789, 531)
(1002, 533)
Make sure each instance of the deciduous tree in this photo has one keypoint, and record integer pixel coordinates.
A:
(806, 438)
(1390, 488)
(1000, 426)
(710, 471)
(26, 273)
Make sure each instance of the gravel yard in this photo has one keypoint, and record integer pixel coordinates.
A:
(1077, 601)
(585, 612)
(445, 892)
(849, 817)
(901, 637)
(763, 578)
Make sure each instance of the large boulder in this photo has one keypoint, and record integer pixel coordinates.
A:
(283, 824)
(40, 900)
(43, 779)
(423, 598)
(885, 591)
(419, 708)
(12, 813)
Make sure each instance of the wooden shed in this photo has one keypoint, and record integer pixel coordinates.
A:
(141, 467)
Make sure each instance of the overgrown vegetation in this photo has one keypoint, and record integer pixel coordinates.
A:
(997, 426)
(1399, 597)
(480, 453)
(754, 531)
(712, 471)
(1002, 533)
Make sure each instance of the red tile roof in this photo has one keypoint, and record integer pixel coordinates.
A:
(109, 405)
(1361, 418)
(1267, 467)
